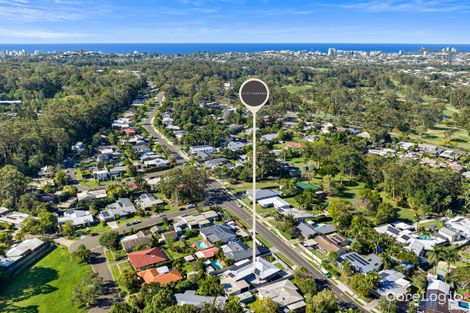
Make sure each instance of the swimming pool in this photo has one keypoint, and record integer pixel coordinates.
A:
(216, 265)
(202, 245)
(464, 305)
(424, 237)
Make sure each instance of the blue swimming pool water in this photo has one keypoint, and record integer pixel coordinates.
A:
(424, 237)
(464, 305)
(215, 264)
(202, 245)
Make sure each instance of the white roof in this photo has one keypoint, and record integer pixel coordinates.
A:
(436, 284)
(283, 292)
(76, 217)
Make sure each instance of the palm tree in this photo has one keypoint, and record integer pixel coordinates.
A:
(450, 256)
(435, 256)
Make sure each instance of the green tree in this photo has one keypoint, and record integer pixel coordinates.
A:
(361, 285)
(160, 301)
(210, 286)
(233, 305)
(266, 305)
(110, 240)
(322, 302)
(67, 229)
(305, 281)
(129, 280)
(83, 254)
(386, 213)
(12, 185)
(87, 292)
(328, 185)
(121, 307)
(388, 306)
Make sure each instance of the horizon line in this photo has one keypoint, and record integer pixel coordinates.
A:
(244, 43)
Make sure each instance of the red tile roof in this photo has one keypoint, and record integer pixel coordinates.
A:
(295, 144)
(209, 253)
(129, 131)
(147, 257)
(152, 276)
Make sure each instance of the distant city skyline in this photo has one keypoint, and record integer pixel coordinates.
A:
(235, 21)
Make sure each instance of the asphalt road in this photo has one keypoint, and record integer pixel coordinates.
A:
(218, 195)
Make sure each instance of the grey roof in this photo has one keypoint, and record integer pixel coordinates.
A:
(238, 251)
(130, 242)
(363, 264)
(17, 252)
(325, 229)
(122, 207)
(262, 194)
(306, 230)
(235, 145)
(221, 232)
(190, 297)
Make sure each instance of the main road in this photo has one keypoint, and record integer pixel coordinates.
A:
(218, 194)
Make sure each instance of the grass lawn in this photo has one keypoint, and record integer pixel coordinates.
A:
(45, 287)
(284, 259)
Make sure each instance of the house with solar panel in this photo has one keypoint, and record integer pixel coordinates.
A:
(121, 208)
(362, 264)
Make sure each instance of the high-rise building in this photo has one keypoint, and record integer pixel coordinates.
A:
(331, 52)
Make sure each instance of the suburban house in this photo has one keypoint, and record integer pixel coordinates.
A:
(122, 207)
(239, 278)
(262, 194)
(101, 175)
(200, 220)
(90, 195)
(306, 230)
(202, 149)
(129, 242)
(324, 244)
(147, 201)
(155, 275)
(190, 297)
(325, 229)
(121, 123)
(207, 253)
(116, 171)
(236, 146)
(283, 292)
(460, 224)
(406, 235)
(77, 218)
(169, 235)
(364, 265)
(218, 233)
(153, 182)
(269, 137)
(435, 299)
(23, 255)
(392, 283)
(14, 218)
(276, 202)
(142, 259)
(238, 250)
(449, 234)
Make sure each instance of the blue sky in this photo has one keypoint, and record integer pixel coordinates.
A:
(168, 21)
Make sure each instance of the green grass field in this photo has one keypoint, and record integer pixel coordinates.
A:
(45, 287)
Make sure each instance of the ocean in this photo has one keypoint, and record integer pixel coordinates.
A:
(187, 48)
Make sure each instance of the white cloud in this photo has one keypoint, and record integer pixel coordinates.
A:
(413, 6)
(39, 34)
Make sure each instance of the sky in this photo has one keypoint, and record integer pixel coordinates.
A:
(237, 21)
